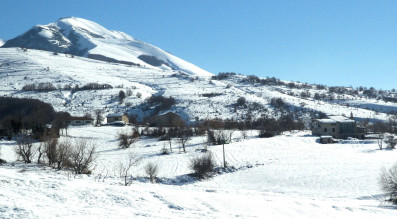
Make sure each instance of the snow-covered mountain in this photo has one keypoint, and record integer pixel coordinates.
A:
(85, 38)
(2, 42)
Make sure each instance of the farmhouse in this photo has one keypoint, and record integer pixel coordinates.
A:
(338, 127)
(117, 117)
(76, 120)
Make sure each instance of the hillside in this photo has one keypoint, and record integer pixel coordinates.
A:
(197, 97)
(1, 42)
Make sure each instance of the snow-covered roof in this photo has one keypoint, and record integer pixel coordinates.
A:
(329, 121)
(341, 119)
(335, 119)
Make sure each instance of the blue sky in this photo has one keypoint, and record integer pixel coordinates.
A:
(329, 42)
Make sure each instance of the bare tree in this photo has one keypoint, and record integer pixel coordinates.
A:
(392, 123)
(170, 142)
(82, 156)
(380, 129)
(184, 136)
(25, 149)
(63, 154)
(50, 148)
(125, 167)
(151, 170)
(244, 133)
(98, 117)
(41, 151)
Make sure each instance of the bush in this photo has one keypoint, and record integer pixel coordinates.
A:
(151, 170)
(391, 142)
(164, 151)
(277, 103)
(203, 166)
(122, 96)
(81, 157)
(388, 183)
(241, 101)
(126, 140)
(265, 134)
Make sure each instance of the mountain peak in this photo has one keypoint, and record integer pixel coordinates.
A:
(82, 37)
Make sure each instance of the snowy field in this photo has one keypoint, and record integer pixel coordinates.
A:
(280, 177)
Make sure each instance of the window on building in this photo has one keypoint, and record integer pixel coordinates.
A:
(333, 129)
(325, 130)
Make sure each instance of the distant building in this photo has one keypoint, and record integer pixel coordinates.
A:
(117, 117)
(338, 127)
(76, 120)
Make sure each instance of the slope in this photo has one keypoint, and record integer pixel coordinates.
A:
(198, 97)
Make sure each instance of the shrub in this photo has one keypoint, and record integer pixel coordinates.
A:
(388, 183)
(151, 170)
(122, 96)
(82, 156)
(277, 103)
(126, 140)
(265, 134)
(391, 142)
(164, 151)
(241, 101)
(203, 166)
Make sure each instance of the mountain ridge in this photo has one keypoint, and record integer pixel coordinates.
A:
(81, 37)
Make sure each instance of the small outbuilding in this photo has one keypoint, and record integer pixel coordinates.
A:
(80, 120)
(117, 117)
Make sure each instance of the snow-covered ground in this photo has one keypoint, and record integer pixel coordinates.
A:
(197, 97)
(281, 177)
